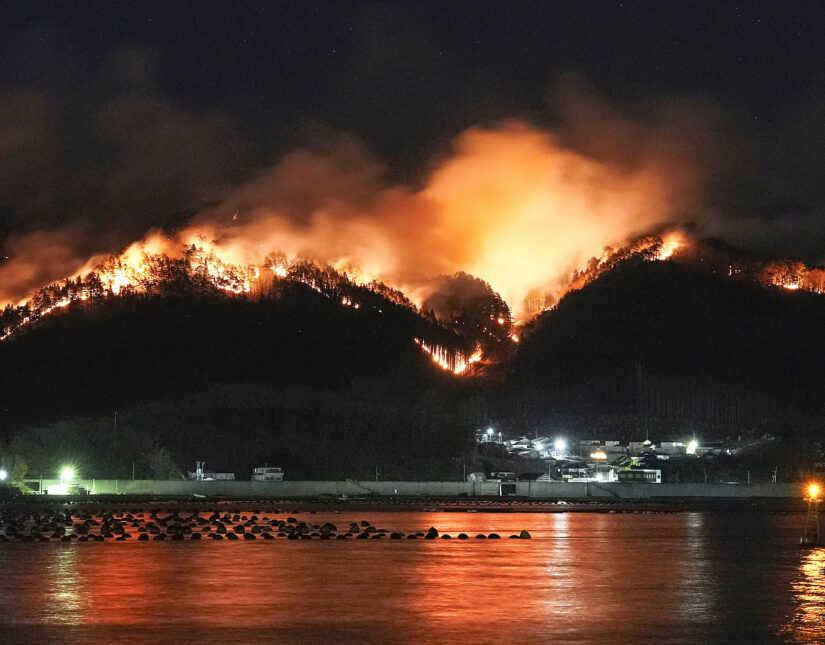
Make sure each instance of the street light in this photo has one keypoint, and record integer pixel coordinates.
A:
(67, 473)
(812, 535)
(560, 445)
(3, 475)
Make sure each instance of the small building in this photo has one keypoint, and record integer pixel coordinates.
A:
(712, 448)
(638, 447)
(66, 489)
(203, 475)
(267, 474)
(611, 448)
(489, 436)
(578, 472)
(603, 472)
(640, 476)
(208, 476)
(672, 448)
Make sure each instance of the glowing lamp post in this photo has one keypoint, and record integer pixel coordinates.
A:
(812, 535)
(66, 474)
(559, 447)
(3, 475)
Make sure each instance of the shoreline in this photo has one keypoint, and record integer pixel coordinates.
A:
(415, 504)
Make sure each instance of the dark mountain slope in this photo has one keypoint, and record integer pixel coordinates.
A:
(130, 350)
(662, 338)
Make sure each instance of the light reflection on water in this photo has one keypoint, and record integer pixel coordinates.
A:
(808, 622)
(66, 601)
(689, 577)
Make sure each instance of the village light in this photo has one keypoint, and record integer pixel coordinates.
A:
(814, 491)
(692, 446)
(3, 475)
(490, 431)
(560, 445)
(66, 473)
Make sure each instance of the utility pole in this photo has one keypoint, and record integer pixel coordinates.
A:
(115, 412)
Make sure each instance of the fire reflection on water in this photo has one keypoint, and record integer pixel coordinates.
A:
(556, 566)
(586, 577)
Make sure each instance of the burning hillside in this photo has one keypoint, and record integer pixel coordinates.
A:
(678, 246)
(513, 204)
(465, 305)
(198, 270)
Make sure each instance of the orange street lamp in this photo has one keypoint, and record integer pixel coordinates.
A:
(813, 534)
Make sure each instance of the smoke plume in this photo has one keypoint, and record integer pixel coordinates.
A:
(515, 204)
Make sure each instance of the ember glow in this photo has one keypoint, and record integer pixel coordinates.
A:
(671, 242)
(793, 276)
(142, 269)
(149, 266)
(447, 359)
(651, 248)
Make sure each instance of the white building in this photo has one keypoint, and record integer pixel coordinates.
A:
(201, 474)
(267, 474)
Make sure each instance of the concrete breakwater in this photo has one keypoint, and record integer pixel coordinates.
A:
(353, 488)
(175, 524)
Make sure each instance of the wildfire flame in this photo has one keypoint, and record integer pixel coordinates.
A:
(447, 359)
(142, 266)
(139, 269)
(793, 276)
(513, 205)
(671, 242)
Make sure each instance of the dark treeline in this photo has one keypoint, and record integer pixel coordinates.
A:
(294, 377)
(661, 339)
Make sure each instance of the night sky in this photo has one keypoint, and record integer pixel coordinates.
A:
(116, 117)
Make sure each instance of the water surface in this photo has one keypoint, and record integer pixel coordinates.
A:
(583, 577)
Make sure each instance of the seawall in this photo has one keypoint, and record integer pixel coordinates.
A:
(352, 488)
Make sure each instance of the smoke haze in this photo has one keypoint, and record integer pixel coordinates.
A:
(509, 203)
(514, 203)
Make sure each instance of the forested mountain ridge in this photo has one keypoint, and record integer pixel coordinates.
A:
(667, 339)
(305, 380)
